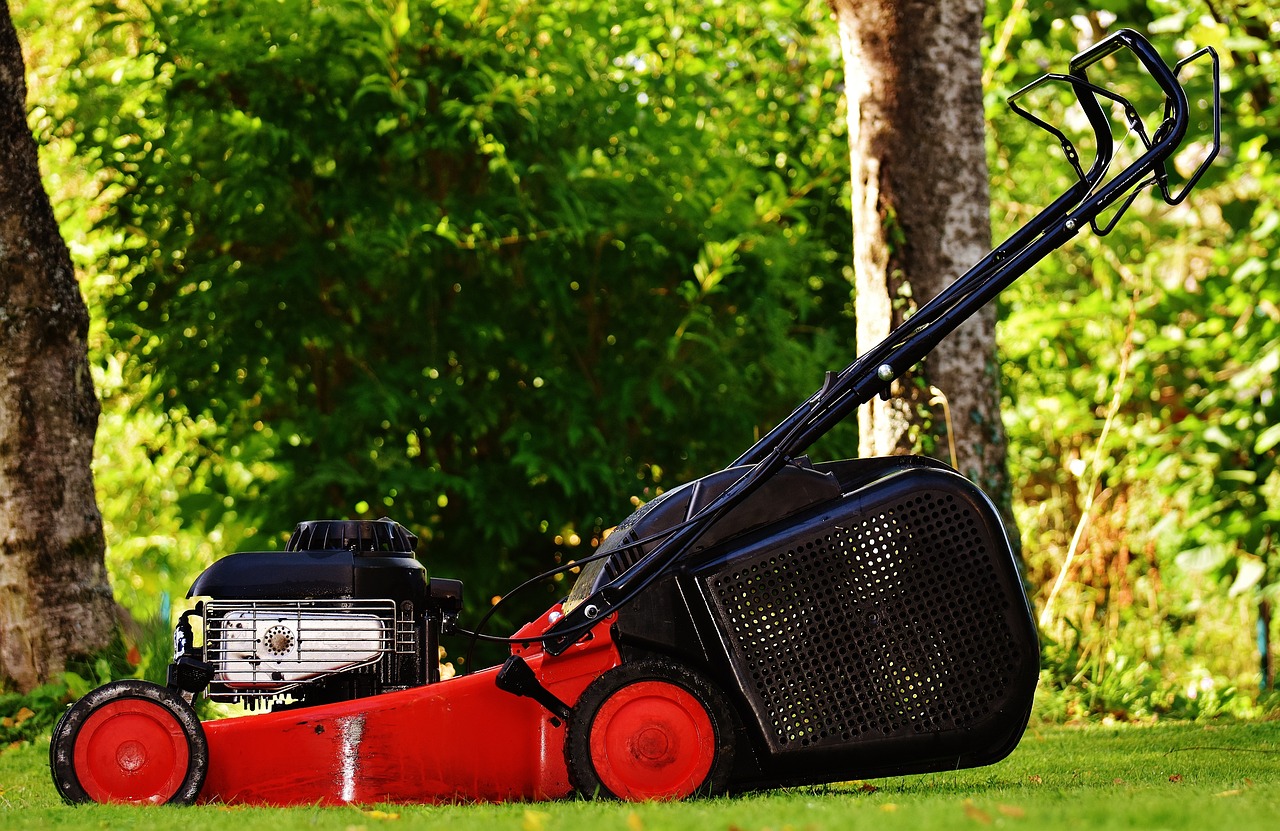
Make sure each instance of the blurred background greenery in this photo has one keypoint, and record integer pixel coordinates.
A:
(503, 271)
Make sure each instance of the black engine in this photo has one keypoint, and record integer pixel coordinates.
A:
(345, 611)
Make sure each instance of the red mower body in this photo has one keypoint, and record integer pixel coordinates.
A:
(458, 740)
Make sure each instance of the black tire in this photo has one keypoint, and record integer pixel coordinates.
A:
(142, 745)
(591, 782)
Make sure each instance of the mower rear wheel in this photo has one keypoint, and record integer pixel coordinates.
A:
(129, 741)
(650, 729)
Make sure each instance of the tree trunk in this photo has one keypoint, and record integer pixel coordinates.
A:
(55, 601)
(913, 78)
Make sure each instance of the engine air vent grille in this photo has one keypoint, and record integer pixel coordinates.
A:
(881, 622)
(382, 536)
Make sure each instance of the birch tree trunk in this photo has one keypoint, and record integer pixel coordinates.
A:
(55, 601)
(913, 77)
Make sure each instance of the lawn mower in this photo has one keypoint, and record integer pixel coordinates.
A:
(778, 622)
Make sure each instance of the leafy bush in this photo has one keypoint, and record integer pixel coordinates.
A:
(497, 271)
(1140, 372)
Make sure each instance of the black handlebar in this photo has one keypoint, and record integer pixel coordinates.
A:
(1164, 141)
(1145, 52)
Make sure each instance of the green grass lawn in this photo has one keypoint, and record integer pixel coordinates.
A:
(1168, 776)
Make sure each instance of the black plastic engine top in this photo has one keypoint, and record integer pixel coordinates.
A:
(324, 559)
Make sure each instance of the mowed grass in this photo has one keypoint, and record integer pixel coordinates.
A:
(1171, 776)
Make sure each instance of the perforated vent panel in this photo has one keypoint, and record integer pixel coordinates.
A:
(881, 622)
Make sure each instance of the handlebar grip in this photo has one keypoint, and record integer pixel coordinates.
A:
(1150, 59)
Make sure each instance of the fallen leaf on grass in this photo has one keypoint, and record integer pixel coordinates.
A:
(1011, 811)
(1177, 777)
(376, 814)
(889, 806)
(535, 820)
(1234, 792)
(1035, 779)
(867, 787)
(634, 823)
(975, 813)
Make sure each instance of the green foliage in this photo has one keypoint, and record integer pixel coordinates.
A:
(491, 270)
(142, 651)
(1163, 340)
(24, 717)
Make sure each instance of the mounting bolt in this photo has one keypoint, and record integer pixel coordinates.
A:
(1071, 224)
(885, 372)
(591, 612)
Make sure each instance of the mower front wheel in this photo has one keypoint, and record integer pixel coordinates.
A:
(651, 729)
(129, 741)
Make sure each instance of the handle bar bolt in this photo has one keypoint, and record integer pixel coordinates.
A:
(885, 372)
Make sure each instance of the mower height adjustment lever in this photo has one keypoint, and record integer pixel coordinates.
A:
(517, 678)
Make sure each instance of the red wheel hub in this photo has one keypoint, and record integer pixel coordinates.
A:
(131, 750)
(652, 740)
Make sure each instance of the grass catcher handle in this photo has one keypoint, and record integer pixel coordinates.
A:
(1145, 52)
(1077, 207)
